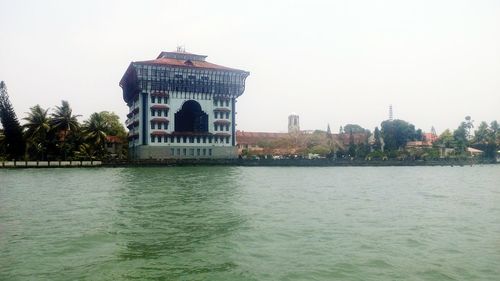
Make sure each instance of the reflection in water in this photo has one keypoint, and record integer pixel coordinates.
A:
(250, 223)
(168, 214)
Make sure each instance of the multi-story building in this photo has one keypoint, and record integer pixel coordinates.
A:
(181, 106)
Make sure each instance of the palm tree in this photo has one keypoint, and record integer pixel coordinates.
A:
(63, 119)
(95, 131)
(37, 127)
(64, 123)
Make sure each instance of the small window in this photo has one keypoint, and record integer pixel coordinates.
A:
(152, 99)
(152, 112)
(172, 151)
(227, 115)
(227, 139)
(159, 138)
(209, 152)
(216, 115)
(178, 152)
(184, 151)
(198, 152)
(152, 126)
(152, 138)
(204, 151)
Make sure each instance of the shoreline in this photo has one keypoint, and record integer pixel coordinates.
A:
(246, 163)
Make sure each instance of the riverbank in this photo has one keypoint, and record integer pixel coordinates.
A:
(246, 162)
(49, 164)
(299, 162)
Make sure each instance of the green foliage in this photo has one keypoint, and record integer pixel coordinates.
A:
(397, 133)
(376, 155)
(13, 141)
(37, 128)
(320, 149)
(486, 139)
(378, 139)
(113, 122)
(354, 128)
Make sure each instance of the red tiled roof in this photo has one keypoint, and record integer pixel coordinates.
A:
(254, 137)
(159, 133)
(159, 94)
(113, 139)
(186, 63)
(222, 122)
(222, 109)
(159, 106)
(159, 120)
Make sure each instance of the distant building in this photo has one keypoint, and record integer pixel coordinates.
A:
(293, 123)
(114, 146)
(181, 106)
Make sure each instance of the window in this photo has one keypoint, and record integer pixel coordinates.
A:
(209, 139)
(178, 152)
(227, 102)
(227, 139)
(216, 115)
(227, 115)
(184, 151)
(198, 152)
(209, 152)
(172, 151)
(152, 139)
(204, 151)
(152, 126)
(191, 151)
(204, 139)
(152, 112)
(153, 99)
(159, 138)
(159, 126)
(216, 127)
(198, 139)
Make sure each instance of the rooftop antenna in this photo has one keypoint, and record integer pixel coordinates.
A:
(391, 116)
(181, 48)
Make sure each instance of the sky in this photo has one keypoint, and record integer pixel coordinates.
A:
(331, 62)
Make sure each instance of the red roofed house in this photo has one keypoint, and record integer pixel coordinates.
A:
(181, 106)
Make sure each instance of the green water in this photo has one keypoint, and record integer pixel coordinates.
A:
(253, 223)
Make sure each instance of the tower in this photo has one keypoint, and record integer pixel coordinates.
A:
(293, 123)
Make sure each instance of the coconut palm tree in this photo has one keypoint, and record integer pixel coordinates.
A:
(37, 128)
(65, 124)
(63, 119)
(95, 130)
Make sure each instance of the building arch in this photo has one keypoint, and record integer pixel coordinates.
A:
(191, 118)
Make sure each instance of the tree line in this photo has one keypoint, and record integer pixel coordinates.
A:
(56, 134)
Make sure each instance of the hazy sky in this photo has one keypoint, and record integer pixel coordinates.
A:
(331, 62)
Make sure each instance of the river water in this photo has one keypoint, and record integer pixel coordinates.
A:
(250, 223)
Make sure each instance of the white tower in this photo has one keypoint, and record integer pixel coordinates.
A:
(293, 123)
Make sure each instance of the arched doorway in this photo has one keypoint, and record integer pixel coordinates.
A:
(191, 118)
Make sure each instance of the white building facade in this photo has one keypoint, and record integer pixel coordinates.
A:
(181, 106)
